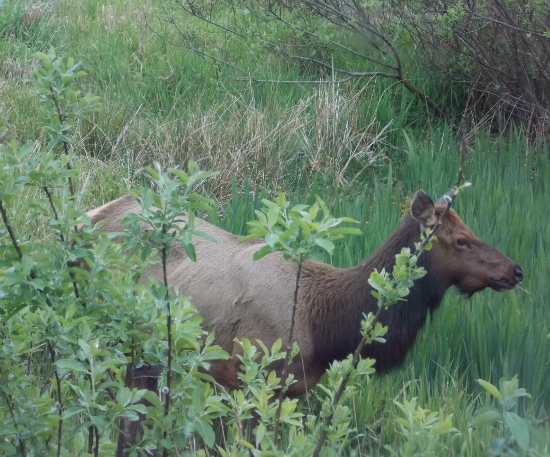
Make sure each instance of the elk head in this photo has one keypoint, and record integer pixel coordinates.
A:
(462, 259)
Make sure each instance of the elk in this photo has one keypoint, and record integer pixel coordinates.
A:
(241, 298)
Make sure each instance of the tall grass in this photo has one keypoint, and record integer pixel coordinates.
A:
(494, 335)
(489, 336)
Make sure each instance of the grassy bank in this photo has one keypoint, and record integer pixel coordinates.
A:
(160, 101)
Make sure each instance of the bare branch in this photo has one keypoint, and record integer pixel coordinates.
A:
(347, 16)
(499, 50)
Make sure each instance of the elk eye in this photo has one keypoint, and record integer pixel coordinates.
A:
(462, 242)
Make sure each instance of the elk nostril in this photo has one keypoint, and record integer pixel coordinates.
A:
(518, 272)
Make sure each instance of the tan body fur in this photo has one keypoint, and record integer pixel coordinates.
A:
(242, 298)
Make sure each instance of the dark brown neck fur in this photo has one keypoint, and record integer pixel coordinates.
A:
(339, 298)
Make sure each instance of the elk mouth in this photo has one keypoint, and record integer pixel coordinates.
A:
(502, 284)
(506, 284)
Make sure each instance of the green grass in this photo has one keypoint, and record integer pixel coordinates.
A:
(489, 336)
(498, 334)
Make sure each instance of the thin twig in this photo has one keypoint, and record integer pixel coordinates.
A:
(17, 248)
(62, 238)
(169, 336)
(33, 276)
(462, 155)
(129, 384)
(21, 444)
(122, 133)
(284, 374)
(328, 12)
(10, 231)
(91, 427)
(235, 409)
(96, 447)
(59, 400)
(90, 439)
(65, 145)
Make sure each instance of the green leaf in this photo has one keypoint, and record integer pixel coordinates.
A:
(44, 58)
(490, 388)
(262, 252)
(152, 173)
(27, 264)
(325, 244)
(111, 363)
(322, 204)
(204, 235)
(71, 411)
(190, 251)
(252, 236)
(247, 347)
(201, 175)
(489, 416)
(71, 365)
(259, 434)
(184, 178)
(519, 429)
(206, 433)
(376, 279)
(245, 444)
(280, 200)
(140, 408)
(86, 349)
(345, 231)
(272, 216)
(152, 398)
(271, 239)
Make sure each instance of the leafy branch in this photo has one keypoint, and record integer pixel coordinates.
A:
(54, 81)
(295, 232)
(388, 289)
(515, 429)
(168, 216)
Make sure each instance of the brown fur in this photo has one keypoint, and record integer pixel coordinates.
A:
(242, 298)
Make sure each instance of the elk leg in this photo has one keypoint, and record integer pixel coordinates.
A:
(145, 377)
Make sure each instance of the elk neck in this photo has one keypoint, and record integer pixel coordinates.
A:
(337, 299)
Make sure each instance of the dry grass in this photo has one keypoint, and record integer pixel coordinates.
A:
(321, 134)
(32, 13)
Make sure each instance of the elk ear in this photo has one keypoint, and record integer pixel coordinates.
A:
(423, 209)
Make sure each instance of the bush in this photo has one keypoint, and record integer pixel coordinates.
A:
(498, 51)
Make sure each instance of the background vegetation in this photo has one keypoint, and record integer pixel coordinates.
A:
(363, 146)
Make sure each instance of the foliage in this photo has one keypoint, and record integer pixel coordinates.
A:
(514, 430)
(63, 107)
(389, 289)
(86, 330)
(296, 231)
(422, 429)
(70, 332)
(295, 234)
(264, 134)
(162, 210)
(490, 51)
(167, 218)
(329, 40)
